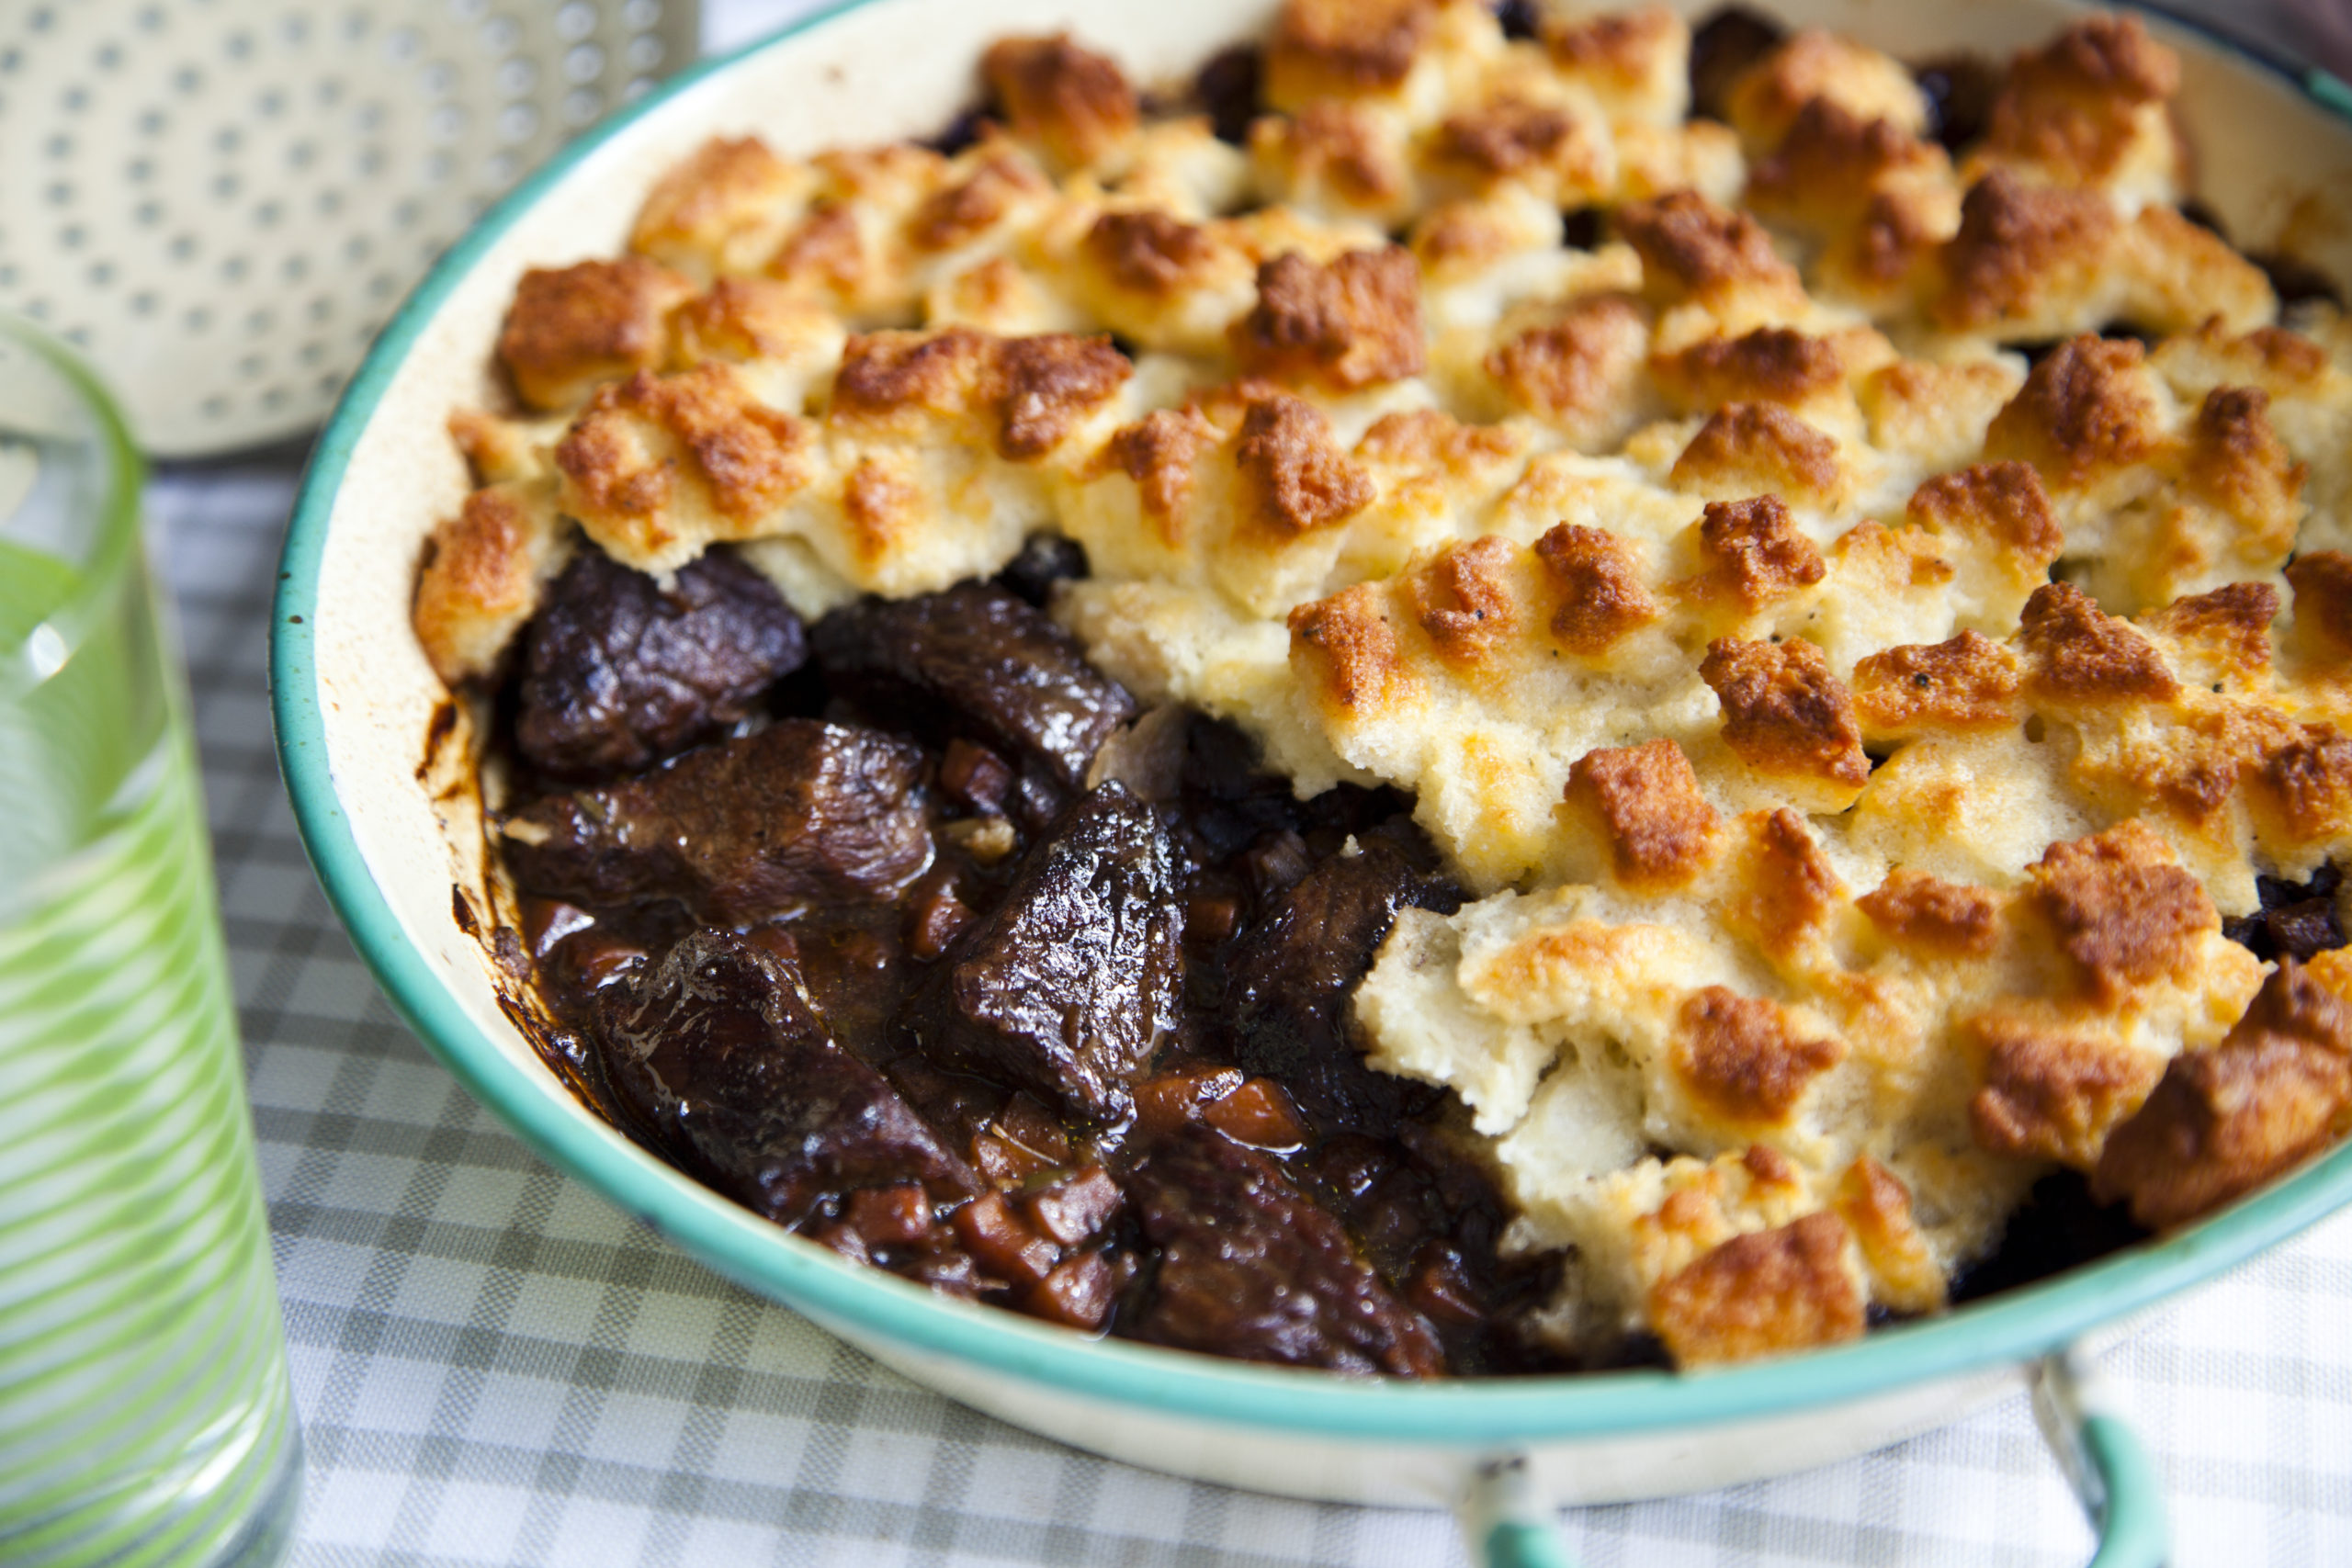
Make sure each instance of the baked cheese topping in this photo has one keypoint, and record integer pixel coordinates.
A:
(1860, 617)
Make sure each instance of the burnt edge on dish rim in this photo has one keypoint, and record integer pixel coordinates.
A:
(1467, 1414)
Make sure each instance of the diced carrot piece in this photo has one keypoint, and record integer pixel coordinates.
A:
(935, 917)
(1071, 1211)
(1258, 1114)
(1080, 1293)
(1168, 1102)
(975, 776)
(884, 1215)
(1003, 1241)
(1210, 917)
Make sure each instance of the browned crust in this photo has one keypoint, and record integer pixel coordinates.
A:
(1616, 44)
(1434, 440)
(2013, 239)
(2308, 782)
(1344, 46)
(1047, 384)
(1297, 477)
(1930, 916)
(739, 319)
(1876, 1206)
(1149, 252)
(1036, 388)
(1351, 647)
(1601, 596)
(1075, 103)
(1770, 365)
(1743, 1058)
(1891, 238)
(2221, 1123)
(1462, 599)
(2323, 584)
(1506, 136)
(825, 252)
(1159, 451)
(1788, 889)
(2224, 1121)
(1334, 144)
(2051, 1095)
(1692, 249)
(718, 179)
(2232, 622)
(1350, 324)
(1762, 1294)
(2069, 105)
(959, 213)
(1784, 712)
(598, 321)
(1661, 831)
(2123, 911)
(1760, 446)
(476, 568)
(882, 374)
(1968, 681)
(882, 506)
(1831, 158)
(2236, 461)
(2000, 502)
(750, 457)
(1754, 552)
(2084, 409)
(2280, 353)
(2077, 653)
(1578, 366)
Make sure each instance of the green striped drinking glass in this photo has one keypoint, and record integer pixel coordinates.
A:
(144, 1411)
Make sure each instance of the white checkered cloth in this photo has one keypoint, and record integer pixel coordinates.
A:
(495, 1367)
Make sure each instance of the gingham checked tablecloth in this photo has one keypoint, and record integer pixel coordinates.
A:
(494, 1367)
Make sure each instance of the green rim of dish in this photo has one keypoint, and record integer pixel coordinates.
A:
(101, 573)
(1981, 1338)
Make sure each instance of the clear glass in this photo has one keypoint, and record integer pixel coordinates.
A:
(145, 1416)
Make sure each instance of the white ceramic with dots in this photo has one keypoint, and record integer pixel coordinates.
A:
(220, 201)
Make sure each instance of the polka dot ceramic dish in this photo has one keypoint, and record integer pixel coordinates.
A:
(220, 201)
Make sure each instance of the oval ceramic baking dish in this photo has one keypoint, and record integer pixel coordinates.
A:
(353, 699)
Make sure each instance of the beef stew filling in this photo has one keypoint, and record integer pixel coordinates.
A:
(898, 967)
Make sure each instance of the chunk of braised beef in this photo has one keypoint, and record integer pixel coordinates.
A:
(619, 673)
(2059, 1227)
(1722, 46)
(798, 813)
(2296, 920)
(1959, 89)
(977, 662)
(1250, 1267)
(1230, 88)
(1520, 19)
(1045, 560)
(2295, 280)
(722, 1056)
(1065, 986)
(1288, 979)
(1229, 799)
